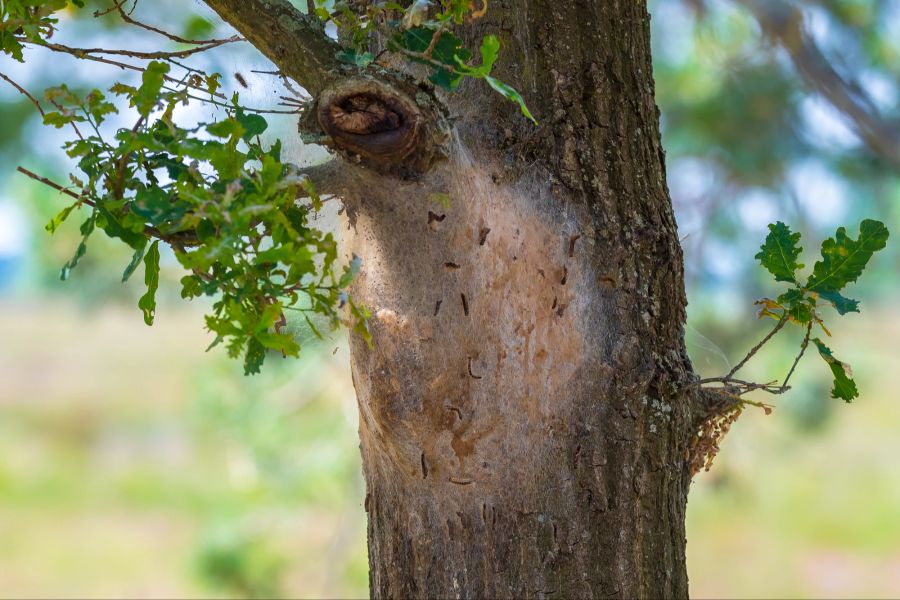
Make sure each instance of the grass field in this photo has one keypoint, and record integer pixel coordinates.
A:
(133, 464)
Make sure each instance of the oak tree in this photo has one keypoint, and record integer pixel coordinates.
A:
(510, 271)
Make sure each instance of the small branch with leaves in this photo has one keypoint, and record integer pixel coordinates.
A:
(843, 260)
(228, 206)
(237, 217)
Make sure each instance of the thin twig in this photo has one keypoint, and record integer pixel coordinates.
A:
(179, 239)
(434, 41)
(126, 16)
(62, 110)
(161, 55)
(24, 92)
(54, 185)
(244, 108)
(755, 349)
(799, 356)
(746, 386)
(784, 23)
(135, 68)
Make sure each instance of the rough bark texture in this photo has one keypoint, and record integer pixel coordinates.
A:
(295, 42)
(523, 429)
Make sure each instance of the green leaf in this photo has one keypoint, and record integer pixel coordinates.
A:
(152, 81)
(350, 271)
(135, 261)
(98, 107)
(61, 119)
(798, 305)
(113, 227)
(841, 303)
(844, 386)
(510, 93)
(445, 79)
(10, 45)
(191, 286)
(361, 318)
(155, 205)
(358, 59)
(253, 124)
(448, 49)
(197, 27)
(58, 220)
(213, 83)
(282, 342)
(490, 48)
(844, 259)
(87, 228)
(121, 89)
(147, 303)
(312, 327)
(254, 357)
(780, 252)
(226, 128)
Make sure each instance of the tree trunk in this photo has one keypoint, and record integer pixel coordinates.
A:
(526, 415)
(524, 422)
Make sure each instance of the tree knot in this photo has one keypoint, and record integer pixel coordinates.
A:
(364, 115)
(381, 124)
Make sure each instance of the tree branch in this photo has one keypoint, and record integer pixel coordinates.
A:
(377, 119)
(82, 52)
(181, 238)
(783, 23)
(126, 16)
(803, 347)
(295, 42)
(24, 92)
(755, 349)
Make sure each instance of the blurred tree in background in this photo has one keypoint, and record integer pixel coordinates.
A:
(771, 111)
(755, 123)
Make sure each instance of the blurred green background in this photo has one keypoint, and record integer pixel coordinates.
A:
(134, 464)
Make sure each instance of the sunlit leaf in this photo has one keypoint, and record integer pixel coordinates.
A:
(780, 251)
(844, 259)
(510, 93)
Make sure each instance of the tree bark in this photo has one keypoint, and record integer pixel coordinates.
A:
(525, 407)
(523, 422)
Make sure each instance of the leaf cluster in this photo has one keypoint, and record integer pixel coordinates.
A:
(843, 260)
(423, 35)
(28, 20)
(237, 217)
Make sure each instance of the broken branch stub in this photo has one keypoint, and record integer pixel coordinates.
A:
(392, 126)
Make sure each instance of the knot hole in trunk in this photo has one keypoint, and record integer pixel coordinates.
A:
(364, 115)
(393, 127)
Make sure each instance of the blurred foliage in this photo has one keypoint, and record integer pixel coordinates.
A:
(749, 142)
(202, 483)
(241, 563)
